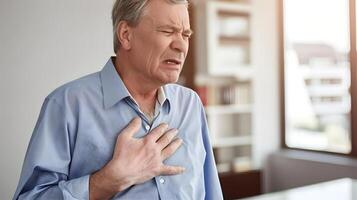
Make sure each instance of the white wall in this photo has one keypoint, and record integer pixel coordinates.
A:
(43, 44)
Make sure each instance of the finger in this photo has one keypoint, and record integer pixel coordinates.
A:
(171, 148)
(171, 170)
(166, 138)
(131, 128)
(158, 131)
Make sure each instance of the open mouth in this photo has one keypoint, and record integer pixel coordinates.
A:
(172, 62)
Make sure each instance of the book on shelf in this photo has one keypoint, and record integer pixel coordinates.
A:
(238, 94)
(239, 164)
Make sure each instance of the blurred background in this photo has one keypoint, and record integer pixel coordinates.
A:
(277, 79)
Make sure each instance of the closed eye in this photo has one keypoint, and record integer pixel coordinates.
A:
(167, 31)
(186, 35)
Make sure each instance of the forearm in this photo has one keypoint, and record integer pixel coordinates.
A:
(102, 185)
(98, 188)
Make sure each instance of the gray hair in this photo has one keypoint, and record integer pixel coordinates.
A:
(130, 11)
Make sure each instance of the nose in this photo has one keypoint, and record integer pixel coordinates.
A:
(180, 44)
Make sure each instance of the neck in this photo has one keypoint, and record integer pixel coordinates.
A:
(145, 94)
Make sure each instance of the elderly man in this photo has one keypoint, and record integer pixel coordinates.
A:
(126, 132)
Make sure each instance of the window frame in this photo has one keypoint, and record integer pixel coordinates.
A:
(353, 88)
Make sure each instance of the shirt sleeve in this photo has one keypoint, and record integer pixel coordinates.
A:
(212, 184)
(45, 172)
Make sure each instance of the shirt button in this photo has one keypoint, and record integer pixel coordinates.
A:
(147, 127)
(162, 181)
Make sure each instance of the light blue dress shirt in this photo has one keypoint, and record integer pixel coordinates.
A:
(77, 130)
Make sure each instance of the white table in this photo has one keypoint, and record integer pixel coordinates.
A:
(340, 189)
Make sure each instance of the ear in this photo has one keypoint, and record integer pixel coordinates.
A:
(124, 34)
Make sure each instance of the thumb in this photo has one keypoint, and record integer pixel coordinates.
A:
(131, 128)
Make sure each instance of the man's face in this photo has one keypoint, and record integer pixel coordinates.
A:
(159, 43)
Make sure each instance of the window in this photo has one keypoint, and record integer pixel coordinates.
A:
(318, 96)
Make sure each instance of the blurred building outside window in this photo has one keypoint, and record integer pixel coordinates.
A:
(317, 75)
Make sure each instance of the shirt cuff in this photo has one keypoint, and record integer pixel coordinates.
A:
(75, 188)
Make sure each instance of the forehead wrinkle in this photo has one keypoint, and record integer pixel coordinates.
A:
(174, 24)
(179, 19)
(176, 21)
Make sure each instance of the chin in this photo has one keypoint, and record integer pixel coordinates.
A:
(170, 80)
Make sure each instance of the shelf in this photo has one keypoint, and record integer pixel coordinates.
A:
(229, 167)
(232, 141)
(230, 13)
(242, 72)
(203, 79)
(231, 8)
(229, 40)
(228, 109)
(223, 167)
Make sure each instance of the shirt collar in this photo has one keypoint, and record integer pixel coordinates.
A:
(115, 90)
(161, 97)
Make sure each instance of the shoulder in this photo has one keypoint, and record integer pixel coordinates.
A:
(182, 94)
(73, 90)
(175, 89)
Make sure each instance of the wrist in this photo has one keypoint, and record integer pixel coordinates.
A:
(118, 177)
(99, 187)
(108, 181)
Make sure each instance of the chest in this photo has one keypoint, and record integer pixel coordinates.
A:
(97, 131)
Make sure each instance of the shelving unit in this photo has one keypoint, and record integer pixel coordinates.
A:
(224, 80)
(228, 109)
(207, 66)
(232, 141)
(224, 37)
